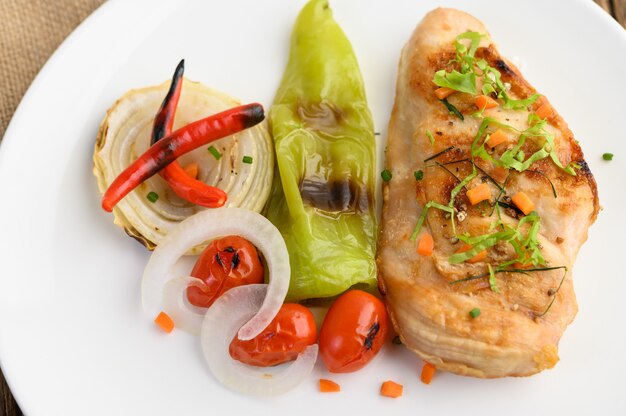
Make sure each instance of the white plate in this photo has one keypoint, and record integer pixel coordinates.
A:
(73, 338)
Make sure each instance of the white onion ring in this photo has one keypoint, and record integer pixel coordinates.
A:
(175, 304)
(208, 225)
(219, 327)
(125, 133)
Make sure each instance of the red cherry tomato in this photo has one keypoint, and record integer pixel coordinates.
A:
(225, 263)
(291, 331)
(353, 331)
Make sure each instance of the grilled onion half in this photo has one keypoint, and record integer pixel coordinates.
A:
(124, 135)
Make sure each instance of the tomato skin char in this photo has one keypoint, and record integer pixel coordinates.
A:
(225, 263)
(292, 330)
(353, 331)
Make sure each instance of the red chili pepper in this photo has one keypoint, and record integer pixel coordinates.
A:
(183, 140)
(183, 185)
(164, 120)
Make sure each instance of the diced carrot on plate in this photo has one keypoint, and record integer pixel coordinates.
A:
(328, 386)
(164, 321)
(391, 389)
(428, 372)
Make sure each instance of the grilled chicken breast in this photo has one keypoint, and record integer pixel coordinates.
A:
(448, 309)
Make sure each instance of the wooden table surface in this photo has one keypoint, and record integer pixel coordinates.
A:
(8, 407)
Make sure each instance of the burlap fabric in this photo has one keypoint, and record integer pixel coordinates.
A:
(30, 31)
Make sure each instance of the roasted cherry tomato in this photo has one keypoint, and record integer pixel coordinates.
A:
(353, 331)
(225, 263)
(291, 331)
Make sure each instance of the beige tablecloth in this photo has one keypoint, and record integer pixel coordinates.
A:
(30, 31)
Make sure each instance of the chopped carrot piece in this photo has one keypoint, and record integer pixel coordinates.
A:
(523, 202)
(328, 386)
(478, 257)
(443, 92)
(496, 138)
(192, 170)
(164, 321)
(499, 173)
(479, 193)
(484, 101)
(428, 372)
(545, 110)
(426, 245)
(391, 389)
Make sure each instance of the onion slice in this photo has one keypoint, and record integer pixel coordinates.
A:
(208, 225)
(175, 304)
(125, 134)
(221, 323)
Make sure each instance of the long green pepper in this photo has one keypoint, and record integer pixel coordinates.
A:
(323, 197)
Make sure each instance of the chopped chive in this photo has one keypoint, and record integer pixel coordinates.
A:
(216, 153)
(545, 176)
(386, 175)
(474, 313)
(436, 155)
(493, 284)
(607, 156)
(377, 133)
(419, 175)
(430, 137)
(152, 196)
(247, 159)
(396, 340)
(452, 109)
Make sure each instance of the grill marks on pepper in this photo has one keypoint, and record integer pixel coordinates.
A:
(371, 334)
(335, 195)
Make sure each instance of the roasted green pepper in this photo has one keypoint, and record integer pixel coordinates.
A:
(322, 200)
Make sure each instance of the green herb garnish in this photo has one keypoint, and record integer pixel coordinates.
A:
(452, 109)
(493, 284)
(152, 196)
(607, 156)
(474, 313)
(461, 185)
(515, 158)
(465, 80)
(430, 137)
(419, 175)
(386, 175)
(420, 221)
(526, 245)
(456, 81)
(216, 153)
(471, 68)
(247, 159)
